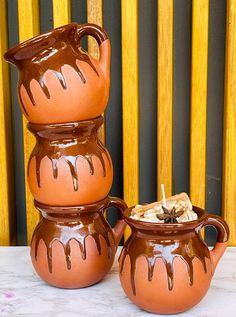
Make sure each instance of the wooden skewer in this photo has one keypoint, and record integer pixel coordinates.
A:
(163, 195)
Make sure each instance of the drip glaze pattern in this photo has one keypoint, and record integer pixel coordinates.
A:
(41, 63)
(64, 42)
(153, 249)
(78, 228)
(68, 143)
(76, 224)
(81, 142)
(50, 52)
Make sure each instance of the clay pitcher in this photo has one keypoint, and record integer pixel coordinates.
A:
(69, 165)
(74, 247)
(58, 80)
(167, 268)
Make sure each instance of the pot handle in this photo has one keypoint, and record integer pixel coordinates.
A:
(103, 41)
(222, 237)
(119, 228)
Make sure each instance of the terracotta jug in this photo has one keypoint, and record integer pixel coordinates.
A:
(74, 247)
(69, 165)
(167, 268)
(59, 81)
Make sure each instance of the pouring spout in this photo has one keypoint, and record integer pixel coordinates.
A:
(9, 57)
(16, 55)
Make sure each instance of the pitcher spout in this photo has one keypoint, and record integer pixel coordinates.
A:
(9, 56)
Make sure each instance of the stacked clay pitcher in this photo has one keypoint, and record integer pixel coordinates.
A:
(63, 92)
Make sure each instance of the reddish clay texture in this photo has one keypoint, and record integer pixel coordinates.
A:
(167, 268)
(69, 165)
(59, 81)
(74, 247)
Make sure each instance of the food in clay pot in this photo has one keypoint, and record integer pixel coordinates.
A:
(165, 266)
(176, 209)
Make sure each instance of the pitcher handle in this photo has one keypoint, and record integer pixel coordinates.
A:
(222, 237)
(103, 41)
(119, 228)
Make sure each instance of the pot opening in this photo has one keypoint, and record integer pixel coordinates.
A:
(70, 210)
(150, 226)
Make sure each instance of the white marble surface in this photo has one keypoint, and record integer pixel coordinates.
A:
(22, 293)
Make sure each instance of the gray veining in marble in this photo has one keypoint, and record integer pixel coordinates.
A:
(22, 293)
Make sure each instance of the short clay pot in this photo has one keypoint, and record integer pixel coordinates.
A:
(74, 247)
(69, 165)
(59, 81)
(167, 268)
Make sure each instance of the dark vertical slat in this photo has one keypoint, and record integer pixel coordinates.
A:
(147, 60)
(148, 99)
(17, 133)
(215, 100)
(79, 15)
(79, 11)
(113, 113)
(181, 98)
(46, 20)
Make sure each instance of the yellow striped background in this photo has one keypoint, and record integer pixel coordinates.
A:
(28, 17)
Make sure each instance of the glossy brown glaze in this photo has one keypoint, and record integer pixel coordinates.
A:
(77, 145)
(51, 52)
(177, 247)
(54, 139)
(33, 62)
(71, 228)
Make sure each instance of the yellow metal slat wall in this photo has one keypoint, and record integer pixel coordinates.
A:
(200, 12)
(61, 12)
(130, 98)
(28, 16)
(229, 151)
(95, 15)
(7, 234)
(164, 95)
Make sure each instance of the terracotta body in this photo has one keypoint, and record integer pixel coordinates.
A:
(167, 268)
(69, 165)
(59, 82)
(63, 92)
(74, 247)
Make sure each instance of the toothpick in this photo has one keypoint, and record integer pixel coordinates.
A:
(163, 195)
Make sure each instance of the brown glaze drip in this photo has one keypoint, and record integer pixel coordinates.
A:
(51, 51)
(68, 142)
(75, 224)
(156, 241)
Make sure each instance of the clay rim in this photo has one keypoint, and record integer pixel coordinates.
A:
(143, 225)
(34, 40)
(34, 127)
(93, 207)
(10, 53)
(44, 130)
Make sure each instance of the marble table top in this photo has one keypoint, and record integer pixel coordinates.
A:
(22, 293)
